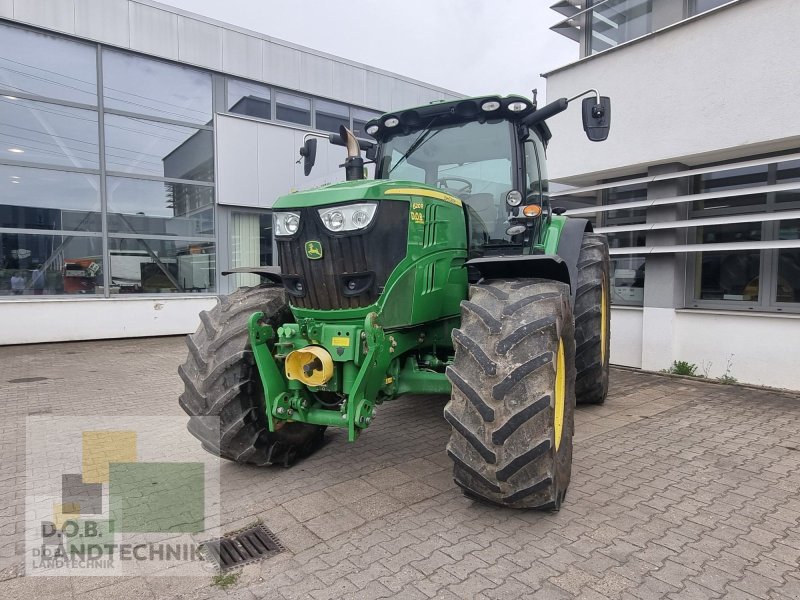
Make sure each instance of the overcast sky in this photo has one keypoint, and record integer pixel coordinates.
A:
(470, 46)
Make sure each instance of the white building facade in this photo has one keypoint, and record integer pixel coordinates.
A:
(141, 148)
(698, 184)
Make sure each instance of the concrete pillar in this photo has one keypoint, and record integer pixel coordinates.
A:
(665, 278)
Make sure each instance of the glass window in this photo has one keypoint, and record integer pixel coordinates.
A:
(140, 265)
(731, 179)
(470, 160)
(788, 172)
(46, 65)
(360, 119)
(36, 265)
(627, 280)
(48, 133)
(700, 6)
(159, 149)
(151, 87)
(728, 275)
(42, 199)
(251, 99)
(250, 244)
(294, 109)
(617, 21)
(536, 166)
(627, 272)
(788, 284)
(331, 115)
(155, 207)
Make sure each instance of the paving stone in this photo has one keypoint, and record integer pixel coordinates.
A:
(679, 490)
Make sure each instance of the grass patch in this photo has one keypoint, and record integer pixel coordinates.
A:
(681, 367)
(225, 580)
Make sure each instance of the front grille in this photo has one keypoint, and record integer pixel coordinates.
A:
(369, 256)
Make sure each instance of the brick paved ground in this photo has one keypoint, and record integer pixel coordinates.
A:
(680, 489)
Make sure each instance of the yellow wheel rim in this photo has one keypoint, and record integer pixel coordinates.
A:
(559, 395)
(603, 320)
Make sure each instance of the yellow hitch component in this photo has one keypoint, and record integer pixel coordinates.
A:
(311, 365)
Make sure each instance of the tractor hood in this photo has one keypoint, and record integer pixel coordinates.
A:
(354, 191)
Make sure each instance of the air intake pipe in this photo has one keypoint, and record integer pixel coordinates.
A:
(353, 164)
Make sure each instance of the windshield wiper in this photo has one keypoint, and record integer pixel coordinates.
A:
(423, 137)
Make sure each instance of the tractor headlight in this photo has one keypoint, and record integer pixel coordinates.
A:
(351, 217)
(285, 223)
(514, 198)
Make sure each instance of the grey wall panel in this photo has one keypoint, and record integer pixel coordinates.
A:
(237, 159)
(277, 149)
(7, 9)
(404, 95)
(257, 162)
(316, 74)
(200, 43)
(242, 54)
(378, 91)
(105, 21)
(154, 31)
(52, 14)
(349, 83)
(281, 65)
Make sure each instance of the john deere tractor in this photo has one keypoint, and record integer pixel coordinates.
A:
(448, 273)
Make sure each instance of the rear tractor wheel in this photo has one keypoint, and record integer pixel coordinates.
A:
(513, 401)
(592, 321)
(221, 380)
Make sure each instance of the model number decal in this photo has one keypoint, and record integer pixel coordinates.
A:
(418, 217)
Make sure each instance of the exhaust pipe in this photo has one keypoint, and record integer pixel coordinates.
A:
(353, 164)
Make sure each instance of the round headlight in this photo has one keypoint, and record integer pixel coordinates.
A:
(490, 106)
(360, 219)
(292, 224)
(514, 198)
(391, 122)
(517, 106)
(515, 230)
(335, 220)
(372, 129)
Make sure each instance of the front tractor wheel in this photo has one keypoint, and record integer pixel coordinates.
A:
(513, 402)
(222, 380)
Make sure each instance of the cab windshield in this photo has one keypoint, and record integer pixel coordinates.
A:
(472, 161)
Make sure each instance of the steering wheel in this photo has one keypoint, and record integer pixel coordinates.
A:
(441, 183)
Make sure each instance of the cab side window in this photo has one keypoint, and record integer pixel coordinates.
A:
(535, 165)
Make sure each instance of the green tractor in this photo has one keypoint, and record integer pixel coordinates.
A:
(449, 273)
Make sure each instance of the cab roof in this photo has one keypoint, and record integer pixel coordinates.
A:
(438, 113)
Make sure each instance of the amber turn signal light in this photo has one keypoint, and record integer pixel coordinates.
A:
(532, 210)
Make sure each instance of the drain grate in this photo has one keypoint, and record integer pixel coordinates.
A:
(242, 547)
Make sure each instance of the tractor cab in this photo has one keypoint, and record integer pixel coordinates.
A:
(482, 161)
(489, 152)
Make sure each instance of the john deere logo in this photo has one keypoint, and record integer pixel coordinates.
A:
(313, 250)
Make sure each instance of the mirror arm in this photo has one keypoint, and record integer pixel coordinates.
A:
(586, 93)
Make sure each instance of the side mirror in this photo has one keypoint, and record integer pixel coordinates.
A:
(309, 154)
(597, 118)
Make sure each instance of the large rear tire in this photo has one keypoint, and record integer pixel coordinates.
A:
(221, 380)
(592, 321)
(512, 406)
